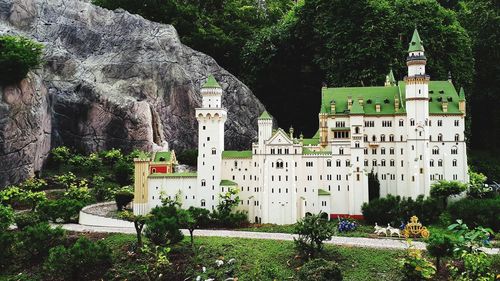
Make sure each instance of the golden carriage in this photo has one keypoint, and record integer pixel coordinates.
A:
(415, 229)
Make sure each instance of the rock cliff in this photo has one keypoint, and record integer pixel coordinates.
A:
(111, 79)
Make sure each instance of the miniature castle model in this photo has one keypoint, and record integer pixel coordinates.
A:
(409, 133)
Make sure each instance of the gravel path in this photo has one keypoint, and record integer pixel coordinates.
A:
(336, 240)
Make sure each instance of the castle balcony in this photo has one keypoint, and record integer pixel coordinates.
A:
(373, 143)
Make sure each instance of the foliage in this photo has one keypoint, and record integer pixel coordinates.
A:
(123, 198)
(65, 180)
(79, 191)
(395, 210)
(444, 189)
(34, 184)
(15, 196)
(26, 219)
(18, 55)
(154, 261)
(85, 260)
(476, 212)
(478, 187)
(312, 231)
(112, 156)
(188, 157)
(470, 240)
(6, 217)
(440, 246)
(163, 226)
(476, 267)
(7, 241)
(224, 216)
(139, 223)
(123, 171)
(346, 225)
(62, 210)
(60, 155)
(101, 190)
(320, 270)
(415, 267)
(373, 186)
(38, 239)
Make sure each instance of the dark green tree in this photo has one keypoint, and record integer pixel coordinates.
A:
(373, 186)
(444, 189)
(313, 231)
(18, 55)
(440, 246)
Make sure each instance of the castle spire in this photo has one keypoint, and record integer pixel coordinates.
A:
(416, 43)
(389, 79)
(211, 83)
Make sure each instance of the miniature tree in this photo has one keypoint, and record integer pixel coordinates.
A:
(444, 189)
(18, 55)
(440, 246)
(312, 231)
(139, 222)
(192, 219)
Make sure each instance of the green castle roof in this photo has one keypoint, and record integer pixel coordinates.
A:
(211, 82)
(163, 156)
(228, 183)
(416, 43)
(236, 154)
(323, 192)
(265, 115)
(356, 108)
(438, 91)
(461, 95)
(173, 175)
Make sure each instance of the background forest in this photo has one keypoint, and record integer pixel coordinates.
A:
(284, 50)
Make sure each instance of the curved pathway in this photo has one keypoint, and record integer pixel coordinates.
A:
(336, 240)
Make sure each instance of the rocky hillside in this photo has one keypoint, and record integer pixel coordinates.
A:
(112, 79)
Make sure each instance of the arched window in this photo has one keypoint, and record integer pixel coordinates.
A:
(457, 137)
(382, 137)
(440, 137)
(374, 162)
(338, 162)
(392, 163)
(203, 203)
(440, 163)
(203, 183)
(279, 164)
(431, 163)
(356, 144)
(366, 162)
(454, 162)
(214, 151)
(412, 122)
(401, 123)
(356, 130)
(391, 138)
(328, 163)
(435, 150)
(235, 164)
(374, 138)
(341, 151)
(365, 138)
(454, 150)
(382, 163)
(391, 150)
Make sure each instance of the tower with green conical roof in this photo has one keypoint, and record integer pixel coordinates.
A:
(389, 79)
(265, 127)
(415, 43)
(461, 100)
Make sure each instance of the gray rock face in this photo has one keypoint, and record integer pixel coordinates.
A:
(117, 80)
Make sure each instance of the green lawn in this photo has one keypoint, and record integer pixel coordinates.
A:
(257, 259)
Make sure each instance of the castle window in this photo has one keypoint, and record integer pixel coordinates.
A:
(214, 151)
(204, 127)
(365, 151)
(203, 203)
(279, 164)
(440, 163)
(382, 138)
(347, 163)
(356, 130)
(431, 163)
(391, 150)
(374, 162)
(454, 162)
(440, 123)
(454, 150)
(374, 138)
(203, 183)
(366, 162)
(328, 163)
(153, 170)
(338, 163)
(412, 122)
(455, 177)
(401, 123)
(401, 138)
(392, 163)
(430, 137)
(374, 151)
(382, 163)
(457, 137)
(440, 137)
(208, 138)
(457, 123)
(435, 150)
(382, 151)
(365, 138)
(341, 150)
(356, 144)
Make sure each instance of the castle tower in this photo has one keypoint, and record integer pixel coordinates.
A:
(389, 79)
(211, 118)
(141, 173)
(417, 109)
(358, 181)
(265, 126)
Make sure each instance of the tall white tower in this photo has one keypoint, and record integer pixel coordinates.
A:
(211, 118)
(265, 126)
(417, 110)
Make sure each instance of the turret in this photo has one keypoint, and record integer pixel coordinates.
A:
(265, 124)
(461, 100)
(141, 173)
(389, 79)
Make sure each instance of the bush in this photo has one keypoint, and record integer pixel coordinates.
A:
(60, 155)
(312, 231)
(6, 217)
(477, 212)
(112, 156)
(11, 195)
(38, 239)
(440, 246)
(62, 210)
(320, 270)
(18, 55)
(7, 240)
(34, 184)
(123, 171)
(103, 191)
(476, 266)
(444, 189)
(414, 267)
(188, 157)
(163, 226)
(26, 219)
(85, 260)
(382, 210)
(123, 198)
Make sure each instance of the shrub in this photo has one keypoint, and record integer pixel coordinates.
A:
(345, 225)
(312, 231)
(18, 55)
(123, 198)
(34, 184)
(38, 239)
(123, 171)
(6, 217)
(7, 240)
(476, 266)
(112, 156)
(440, 246)
(62, 210)
(85, 260)
(101, 190)
(92, 163)
(11, 195)
(382, 210)
(26, 219)
(188, 157)
(79, 193)
(65, 180)
(60, 155)
(414, 267)
(477, 187)
(444, 189)
(163, 226)
(476, 212)
(320, 270)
